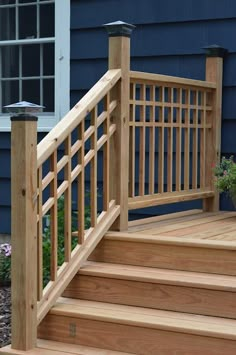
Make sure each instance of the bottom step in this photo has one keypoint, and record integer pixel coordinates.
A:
(138, 330)
(47, 347)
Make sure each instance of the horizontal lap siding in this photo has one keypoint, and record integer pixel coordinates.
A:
(168, 40)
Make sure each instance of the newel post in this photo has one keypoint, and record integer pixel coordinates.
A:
(119, 57)
(214, 73)
(24, 230)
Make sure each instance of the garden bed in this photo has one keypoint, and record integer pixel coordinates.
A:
(5, 316)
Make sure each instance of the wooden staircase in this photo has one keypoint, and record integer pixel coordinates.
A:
(144, 294)
(163, 286)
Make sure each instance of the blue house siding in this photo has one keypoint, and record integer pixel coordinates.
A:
(168, 39)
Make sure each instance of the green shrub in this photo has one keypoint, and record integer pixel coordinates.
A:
(225, 176)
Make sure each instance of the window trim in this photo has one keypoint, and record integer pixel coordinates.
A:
(62, 69)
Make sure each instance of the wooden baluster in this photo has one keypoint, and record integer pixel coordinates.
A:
(24, 232)
(68, 201)
(119, 57)
(142, 135)
(106, 157)
(93, 170)
(170, 141)
(179, 140)
(40, 237)
(186, 139)
(195, 142)
(214, 73)
(132, 141)
(152, 141)
(203, 142)
(53, 217)
(81, 193)
(161, 134)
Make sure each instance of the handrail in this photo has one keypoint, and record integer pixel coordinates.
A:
(169, 80)
(58, 134)
(63, 157)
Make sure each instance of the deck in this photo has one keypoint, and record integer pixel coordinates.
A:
(195, 224)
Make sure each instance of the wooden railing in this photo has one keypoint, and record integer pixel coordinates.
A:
(87, 146)
(64, 156)
(171, 124)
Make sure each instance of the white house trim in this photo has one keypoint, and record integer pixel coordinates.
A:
(62, 68)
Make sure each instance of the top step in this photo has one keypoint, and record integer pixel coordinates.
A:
(178, 243)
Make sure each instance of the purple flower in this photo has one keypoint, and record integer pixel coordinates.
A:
(5, 249)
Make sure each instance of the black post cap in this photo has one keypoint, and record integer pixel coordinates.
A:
(119, 28)
(215, 51)
(24, 117)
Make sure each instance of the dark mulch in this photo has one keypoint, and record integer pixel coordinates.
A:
(5, 316)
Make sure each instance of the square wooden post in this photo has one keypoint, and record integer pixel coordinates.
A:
(24, 231)
(119, 57)
(214, 73)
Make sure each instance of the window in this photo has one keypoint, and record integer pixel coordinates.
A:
(34, 57)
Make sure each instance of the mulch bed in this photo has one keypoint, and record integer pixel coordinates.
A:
(5, 316)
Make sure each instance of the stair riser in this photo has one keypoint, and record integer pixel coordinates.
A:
(176, 257)
(159, 296)
(133, 339)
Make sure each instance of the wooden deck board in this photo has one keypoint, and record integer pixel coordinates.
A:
(219, 226)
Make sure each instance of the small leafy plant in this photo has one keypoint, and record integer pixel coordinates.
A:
(225, 176)
(61, 238)
(5, 249)
(5, 262)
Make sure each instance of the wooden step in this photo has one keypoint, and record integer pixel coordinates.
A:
(49, 347)
(138, 330)
(212, 256)
(181, 291)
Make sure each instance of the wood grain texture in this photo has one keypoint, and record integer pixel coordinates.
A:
(151, 77)
(214, 73)
(126, 328)
(167, 197)
(170, 255)
(160, 294)
(119, 57)
(24, 234)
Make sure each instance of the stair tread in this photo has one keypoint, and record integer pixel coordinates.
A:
(49, 347)
(167, 240)
(149, 318)
(157, 275)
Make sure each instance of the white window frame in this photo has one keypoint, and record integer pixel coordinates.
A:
(47, 121)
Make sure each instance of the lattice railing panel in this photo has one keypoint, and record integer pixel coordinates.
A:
(169, 126)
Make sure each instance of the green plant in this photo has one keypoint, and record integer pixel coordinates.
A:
(5, 262)
(225, 176)
(61, 238)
